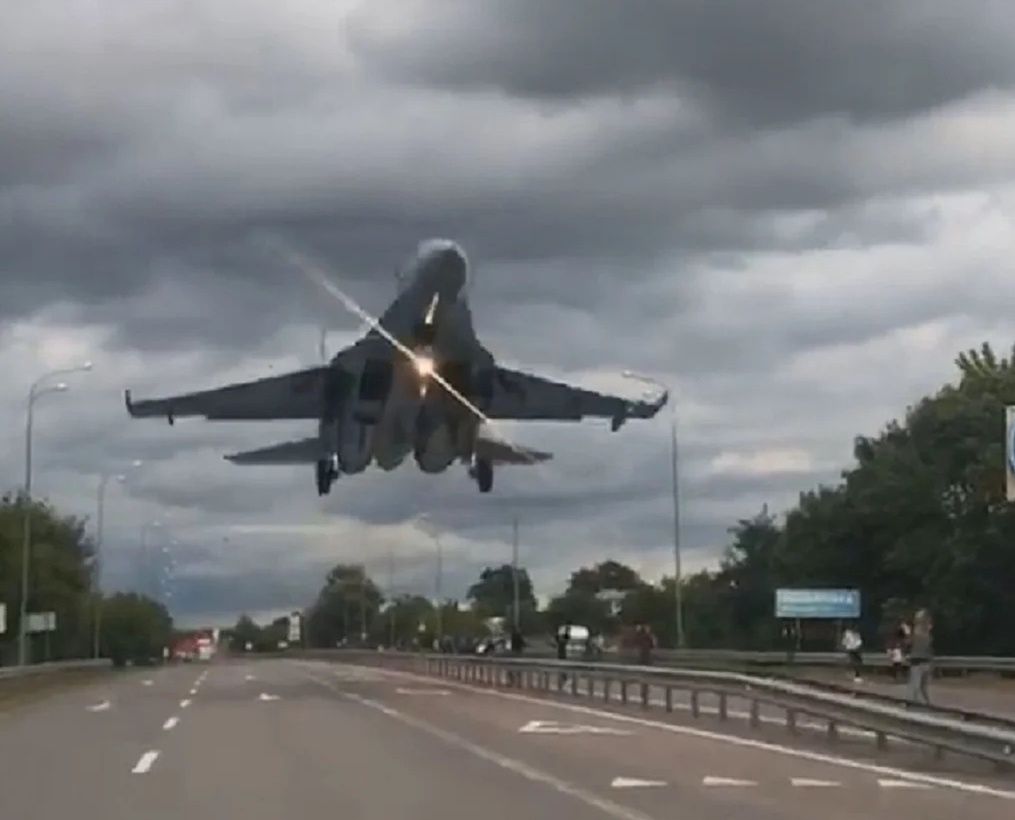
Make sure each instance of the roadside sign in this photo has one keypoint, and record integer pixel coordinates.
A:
(817, 603)
(40, 622)
(294, 627)
(1009, 452)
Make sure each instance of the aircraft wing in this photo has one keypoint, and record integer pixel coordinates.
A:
(498, 452)
(517, 395)
(305, 451)
(298, 395)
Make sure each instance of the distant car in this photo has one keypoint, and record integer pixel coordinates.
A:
(493, 646)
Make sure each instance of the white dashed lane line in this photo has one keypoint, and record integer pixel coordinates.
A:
(185, 703)
(811, 783)
(888, 783)
(145, 762)
(193, 691)
(99, 707)
(734, 782)
(169, 724)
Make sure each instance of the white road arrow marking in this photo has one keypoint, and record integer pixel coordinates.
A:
(169, 724)
(266, 696)
(423, 691)
(99, 707)
(708, 780)
(145, 763)
(888, 783)
(635, 783)
(552, 727)
(807, 782)
(185, 703)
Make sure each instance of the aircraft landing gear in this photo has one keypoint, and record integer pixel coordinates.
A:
(484, 475)
(326, 475)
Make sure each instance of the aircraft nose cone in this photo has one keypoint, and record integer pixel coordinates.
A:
(453, 265)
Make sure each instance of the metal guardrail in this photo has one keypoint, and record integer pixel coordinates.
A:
(18, 672)
(877, 660)
(994, 741)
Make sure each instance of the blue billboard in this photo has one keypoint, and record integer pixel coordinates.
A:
(817, 603)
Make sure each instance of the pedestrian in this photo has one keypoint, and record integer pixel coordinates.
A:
(561, 639)
(516, 645)
(645, 642)
(898, 650)
(852, 643)
(921, 657)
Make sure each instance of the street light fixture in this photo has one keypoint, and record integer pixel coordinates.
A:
(36, 390)
(678, 592)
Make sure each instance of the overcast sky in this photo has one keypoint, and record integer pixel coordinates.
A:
(795, 212)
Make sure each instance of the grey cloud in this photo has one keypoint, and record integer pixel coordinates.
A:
(776, 61)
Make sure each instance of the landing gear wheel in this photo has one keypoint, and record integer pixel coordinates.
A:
(484, 475)
(326, 474)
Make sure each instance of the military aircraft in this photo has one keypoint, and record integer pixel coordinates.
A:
(418, 381)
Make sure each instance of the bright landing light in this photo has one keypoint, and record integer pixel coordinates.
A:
(424, 366)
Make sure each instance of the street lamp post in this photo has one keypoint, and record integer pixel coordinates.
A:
(678, 591)
(35, 391)
(99, 520)
(438, 582)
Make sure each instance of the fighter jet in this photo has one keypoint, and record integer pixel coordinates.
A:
(419, 381)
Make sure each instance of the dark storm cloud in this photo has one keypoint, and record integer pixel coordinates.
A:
(762, 203)
(772, 61)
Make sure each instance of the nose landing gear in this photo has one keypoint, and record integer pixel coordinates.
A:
(482, 471)
(326, 475)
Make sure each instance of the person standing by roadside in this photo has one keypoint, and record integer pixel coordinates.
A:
(921, 657)
(645, 641)
(898, 650)
(852, 643)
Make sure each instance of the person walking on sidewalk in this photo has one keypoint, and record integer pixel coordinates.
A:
(921, 657)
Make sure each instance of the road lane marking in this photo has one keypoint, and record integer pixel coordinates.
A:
(249, 677)
(889, 783)
(147, 682)
(193, 691)
(510, 764)
(169, 724)
(811, 783)
(266, 696)
(145, 763)
(743, 742)
(709, 780)
(185, 703)
(99, 707)
(407, 691)
(552, 727)
(635, 783)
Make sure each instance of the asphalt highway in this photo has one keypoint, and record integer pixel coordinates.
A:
(303, 739)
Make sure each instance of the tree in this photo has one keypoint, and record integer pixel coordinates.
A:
(245, 633)
(493, 594)
(134, 628)
(60, 577)
(345, 607)
(579, 607)
(609, 574)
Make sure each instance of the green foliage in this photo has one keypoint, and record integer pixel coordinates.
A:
(606, 575)
(134, 628)
(493, 594)
(345, 608)
(60, 577)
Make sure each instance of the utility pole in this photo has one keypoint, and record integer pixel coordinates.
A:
(391, 597)
(514, 573)
(363, 604)
(440, 576)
